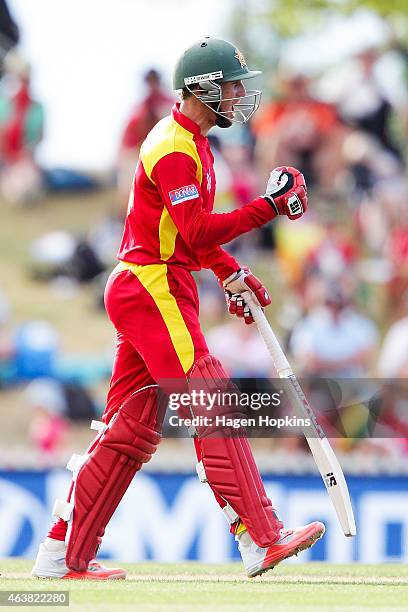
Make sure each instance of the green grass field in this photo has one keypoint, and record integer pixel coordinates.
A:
(196, 586)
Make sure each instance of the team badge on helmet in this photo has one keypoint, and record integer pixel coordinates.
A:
(240, 57)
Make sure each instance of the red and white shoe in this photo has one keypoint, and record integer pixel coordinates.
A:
(51, 564)
(96, 571)
(291, 541)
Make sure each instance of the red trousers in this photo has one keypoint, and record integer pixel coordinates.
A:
(154, 309)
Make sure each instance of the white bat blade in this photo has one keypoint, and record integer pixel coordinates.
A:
(322, 452)
(335, 482)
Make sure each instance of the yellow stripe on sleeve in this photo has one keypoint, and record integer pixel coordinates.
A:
(167, 137)
(167, 235)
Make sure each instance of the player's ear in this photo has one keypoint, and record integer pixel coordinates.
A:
(186, 93)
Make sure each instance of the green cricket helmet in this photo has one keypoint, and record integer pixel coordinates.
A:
(209, 63)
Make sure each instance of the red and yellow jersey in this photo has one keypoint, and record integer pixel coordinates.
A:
(169, 218)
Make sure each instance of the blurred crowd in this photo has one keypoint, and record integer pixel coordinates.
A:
(21, 118)
(338, 277)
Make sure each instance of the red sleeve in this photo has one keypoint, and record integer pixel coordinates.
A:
(200, 229)
(219, 261)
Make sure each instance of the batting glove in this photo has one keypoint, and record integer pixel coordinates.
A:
(235, 285)
(286, 192)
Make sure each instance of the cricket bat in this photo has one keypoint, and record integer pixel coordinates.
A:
(322, 452)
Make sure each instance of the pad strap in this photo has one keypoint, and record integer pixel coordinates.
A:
(62, 509)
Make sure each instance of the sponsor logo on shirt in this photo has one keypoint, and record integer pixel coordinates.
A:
(183, 194)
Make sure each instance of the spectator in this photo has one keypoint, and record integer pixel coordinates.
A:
(155, 105)
(334, 339)
(390, 405)
(49, 428)
(241, 349)
(367, 95)
(393, 358)
(9, 31)
(334, 254)
(397, 254)
(36, 346)
(21, 130)
(302, 131)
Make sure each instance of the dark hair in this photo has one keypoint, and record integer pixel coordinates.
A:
(152, 74)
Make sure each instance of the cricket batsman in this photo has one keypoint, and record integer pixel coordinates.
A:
(151, 299)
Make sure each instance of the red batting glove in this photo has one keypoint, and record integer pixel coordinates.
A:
(237, 306)
(236, 284)
(286, 192)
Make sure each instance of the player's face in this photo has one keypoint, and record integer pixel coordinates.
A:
(231, 93)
